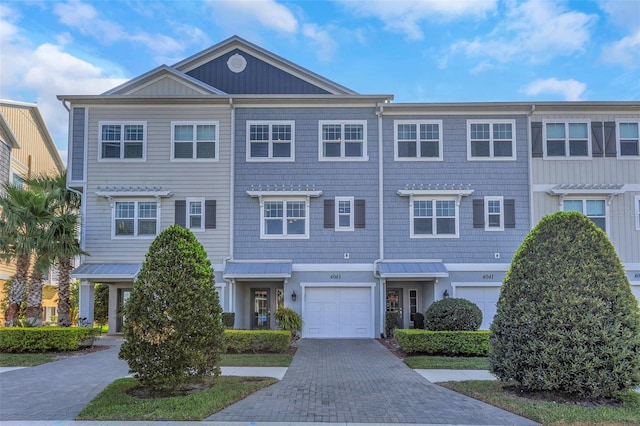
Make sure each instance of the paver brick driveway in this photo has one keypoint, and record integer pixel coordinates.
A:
(359, 381)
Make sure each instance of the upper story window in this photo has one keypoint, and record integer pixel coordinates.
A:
(594, 209)
(343, 140)
(566, 140)
(418, 140)
(195, 214)
(494, 214)
(194, 141)
(628, 139)
(17, 180)
(491, 140)
(135, 218)
(284, 218)
(122, 141)
(434, 218)
(270, 140)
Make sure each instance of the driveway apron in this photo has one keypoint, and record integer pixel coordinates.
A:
(59, 390)
(359, 381)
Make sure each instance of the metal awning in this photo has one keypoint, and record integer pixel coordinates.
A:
(280, 269)
(412, 269)
(107, 271)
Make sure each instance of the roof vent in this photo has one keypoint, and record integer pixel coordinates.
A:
(237, 63)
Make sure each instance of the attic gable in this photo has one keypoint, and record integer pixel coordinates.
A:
(236, 66)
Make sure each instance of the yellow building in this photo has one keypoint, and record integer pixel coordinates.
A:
(26, 149)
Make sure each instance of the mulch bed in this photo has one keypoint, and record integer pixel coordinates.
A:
(393, 347)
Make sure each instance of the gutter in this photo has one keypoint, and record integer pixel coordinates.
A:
(530, 161)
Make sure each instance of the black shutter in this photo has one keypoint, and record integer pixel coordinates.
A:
(181, 212)
(509, 213)
(359, 220)
(329, 213)
(596, 139)
(610, 138)
(536, 139)
(210, 214)
(478, 213)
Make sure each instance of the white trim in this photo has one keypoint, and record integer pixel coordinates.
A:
(491, 156)
(637, 211)
(332, 267)
(284, 218)
(194, 142)
(122, 141)
(434, 192)
(351, 201)
(187, 221)
(276, 193)
(342, 157)
(135, 218)
(486, 213)
(434, 216)
(584, 199)
(270, 142)
(566, 155)
(477, 267)
(343, 285)
(418, 157)
(618, 153)
(475, 284)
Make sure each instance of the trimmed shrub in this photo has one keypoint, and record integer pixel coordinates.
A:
(418, 321)
(46, 339)
(453, 314)
(256, 341)
(228, 319)
(289, 320)
(391, 323)
(448, 343)
(567, 321)
(173, 333)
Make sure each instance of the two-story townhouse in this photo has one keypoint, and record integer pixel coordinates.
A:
(585, 157)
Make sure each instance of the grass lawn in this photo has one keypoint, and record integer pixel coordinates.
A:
(113, 403)
(25, 360)
(255, 360)
(448, 362)
(552, 413)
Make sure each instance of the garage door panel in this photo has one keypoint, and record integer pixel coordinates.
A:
(338, 312)
(486, 298)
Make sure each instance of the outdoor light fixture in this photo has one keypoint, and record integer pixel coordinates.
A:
(445, 294)
(294, 296)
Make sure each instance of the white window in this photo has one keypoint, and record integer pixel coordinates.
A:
(493, 214)
(418, 140)
(270, 140)
(343, 140)
(135, 218)
(491, 140)
(122, 141)
(17, 180)
(628, 139)
(344, 214)
(284, 218)
(434, 218)
(195, 214)
(194, 141)
(637, 202)
(594, 209)
(567, 140)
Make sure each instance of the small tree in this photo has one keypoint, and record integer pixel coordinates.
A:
(567, 321)
(173, 333)
(453, 314)
(289, 320)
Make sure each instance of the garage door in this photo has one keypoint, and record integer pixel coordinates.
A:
(337, 312)
(635, 289)
(485, 297)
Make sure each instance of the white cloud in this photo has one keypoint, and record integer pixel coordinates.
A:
(407, 16)
(321, 40)
(243, 13)
(622, 13)
(569, 90)
(535, 31)
(625, 52)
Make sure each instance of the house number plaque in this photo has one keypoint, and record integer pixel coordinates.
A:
(336, 276)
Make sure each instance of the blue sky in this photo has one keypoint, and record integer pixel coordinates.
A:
(417, 50)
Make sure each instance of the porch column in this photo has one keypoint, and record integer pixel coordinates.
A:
(85, 308)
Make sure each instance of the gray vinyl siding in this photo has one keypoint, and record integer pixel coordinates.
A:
(5, 162)
(334, 178)
(77, 144)
(546, 173)
(209, 180)
(508, 179)
(166, 87)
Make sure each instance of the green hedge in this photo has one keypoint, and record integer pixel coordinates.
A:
(254, 341)
(45, 339)
(450, 343)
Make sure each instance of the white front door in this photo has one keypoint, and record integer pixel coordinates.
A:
(337, 312)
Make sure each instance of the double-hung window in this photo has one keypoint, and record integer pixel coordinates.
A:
(628, 139)
(344, 213)
(593, 209)
(195, 214)
(434, 218)
(270, 140)
(493, 214)
(567, 140)
(122, 141)
(491, 140)
(343, 140)
(194, 141)
(135, 218)
(418, 140)
(284, 218)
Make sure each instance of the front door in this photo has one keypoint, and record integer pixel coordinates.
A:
(394, 303)
(261, 310)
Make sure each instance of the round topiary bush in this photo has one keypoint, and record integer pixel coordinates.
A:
(453, 314)
(567, 321)
(173, 330)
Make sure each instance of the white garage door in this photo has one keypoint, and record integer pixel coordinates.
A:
(485, 297)
(331, 312)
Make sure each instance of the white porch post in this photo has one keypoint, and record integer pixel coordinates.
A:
(86, 296)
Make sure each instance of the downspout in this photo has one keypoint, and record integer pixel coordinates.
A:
(380, 217)
(530, 161)
(232, 168)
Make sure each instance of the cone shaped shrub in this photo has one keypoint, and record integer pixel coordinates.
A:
(173, 329)
(567, 321)
(453, 314)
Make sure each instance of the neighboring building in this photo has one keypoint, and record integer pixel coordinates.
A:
(26, 149)
(304, 193)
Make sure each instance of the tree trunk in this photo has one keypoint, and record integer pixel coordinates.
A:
(34, 298)
(64, 292)
(18, 289)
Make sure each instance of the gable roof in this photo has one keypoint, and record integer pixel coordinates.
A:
(6, 134)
